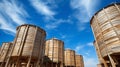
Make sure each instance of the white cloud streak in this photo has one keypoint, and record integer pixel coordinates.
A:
(56, 23)
(11, 14)
(78, 48)
(45, 7)
(90, 44)
(6, 26)
(84, 9)
(42, 8)
(90, 62)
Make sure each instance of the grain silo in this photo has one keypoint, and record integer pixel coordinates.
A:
(54, 50)
(106, 28)
(28, 46)
(5, 50)
(69, 56)
(79, 61)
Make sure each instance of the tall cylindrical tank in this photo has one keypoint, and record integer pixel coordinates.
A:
(106, 27)
(69, 56)
(29, 42)
(54, 50)
(79, 61)
(5, 49)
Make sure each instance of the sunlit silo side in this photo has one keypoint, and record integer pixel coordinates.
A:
(4, 52)
(98, 51)
(101, 60)
(69, 56)
(28, 45)
(106, 27)
(54, 50)
(79, 61)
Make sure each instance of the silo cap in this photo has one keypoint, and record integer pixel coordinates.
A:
(102, 9)
(54, 38)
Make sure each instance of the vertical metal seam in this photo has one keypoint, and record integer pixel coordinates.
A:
(70, 58)
(48, 47)
(29, 61)
(13, 46)
(6, 53)
(58, 44)
(117, 8)
(2, 54)
(74, 59)
(52, 51)
(2, 49)
(41, 44)
(63, 58)
(24, 38)
(43, 48)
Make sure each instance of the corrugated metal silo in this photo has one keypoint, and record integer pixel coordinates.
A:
(4, 52)
(79, 61)
(28, 46)
(69, 56)
(106, 27)
(54, 50)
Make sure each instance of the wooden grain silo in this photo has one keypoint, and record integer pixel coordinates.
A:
(106, 28)
(28, 47)
(79, 61)
(54, 51)
(69, 58)
(4, 52)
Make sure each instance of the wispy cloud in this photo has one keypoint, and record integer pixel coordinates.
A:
(42, 8)
(90, 62)
(11, 14)
(6, 26)
(57, 22)
(78, 48)
(83, 10)
(90, 44)
(63, 36)
(46, 8)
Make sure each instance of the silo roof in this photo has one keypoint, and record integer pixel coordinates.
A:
(33, 26)
(101, 10)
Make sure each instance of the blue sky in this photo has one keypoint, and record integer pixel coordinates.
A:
(67, 20)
